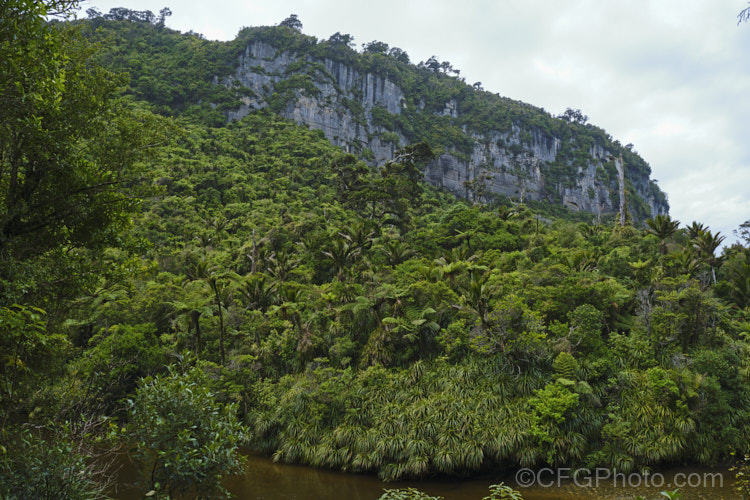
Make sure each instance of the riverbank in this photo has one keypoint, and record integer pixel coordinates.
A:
(264, 479)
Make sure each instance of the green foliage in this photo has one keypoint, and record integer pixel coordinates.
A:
(61, 174)
(286, 91)
(117, 359)
(586, 325)
(185, 75)
(354, 317)
(565, 366)
(497, 492)
(172, 71)
(663, 227)
(382, 118)
(28, 353)
(502, 492)
(737, 269)
(406, 494)
(70, 153)
(48, 469)
(551, 406)
(741, 470)
(513, 329)
(184, 441)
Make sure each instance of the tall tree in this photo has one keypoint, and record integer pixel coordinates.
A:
(68, 150)
(695, 229)
(706, 244)
(663, 227)
(217, 281)
(292, 22)
(399, 185)
(743, 232)
(68, 184)
(192, 307)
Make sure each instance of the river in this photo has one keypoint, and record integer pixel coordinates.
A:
(266, 480)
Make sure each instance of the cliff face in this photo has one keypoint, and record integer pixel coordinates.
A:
(337, 105)
(524, 163)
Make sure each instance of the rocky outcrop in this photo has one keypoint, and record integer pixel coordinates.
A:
(341, 105)
(348, 106)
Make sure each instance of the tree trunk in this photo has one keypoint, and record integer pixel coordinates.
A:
(253, 267)
(215, 288)
(195, 316)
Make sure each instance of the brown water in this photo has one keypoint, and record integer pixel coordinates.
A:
(264, 479)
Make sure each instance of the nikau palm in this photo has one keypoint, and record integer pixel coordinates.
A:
(365, 320)
(663, 227)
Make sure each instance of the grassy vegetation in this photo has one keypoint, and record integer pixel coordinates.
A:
(343, 316)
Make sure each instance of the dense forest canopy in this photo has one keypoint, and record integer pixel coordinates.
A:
(374, 101)
(162, 266)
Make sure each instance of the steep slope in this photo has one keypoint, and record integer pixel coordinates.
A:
(373, 102)
(360, 319)
(368, 113)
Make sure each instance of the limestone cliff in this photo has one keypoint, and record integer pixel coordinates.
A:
(370, 114)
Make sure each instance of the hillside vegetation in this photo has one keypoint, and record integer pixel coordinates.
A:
(374, 101)
(176, 285)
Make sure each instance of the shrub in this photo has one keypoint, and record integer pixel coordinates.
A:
(184, 440)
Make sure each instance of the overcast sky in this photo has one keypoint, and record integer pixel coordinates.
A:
(672, 77)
